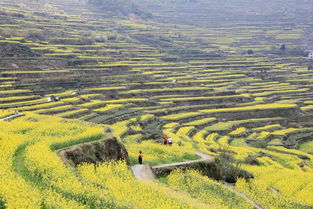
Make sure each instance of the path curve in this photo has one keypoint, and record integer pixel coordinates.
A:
(143, 172)
(10, 117)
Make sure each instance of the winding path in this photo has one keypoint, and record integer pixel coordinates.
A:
(145, 173)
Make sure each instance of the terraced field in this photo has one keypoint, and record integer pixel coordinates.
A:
(145, 79)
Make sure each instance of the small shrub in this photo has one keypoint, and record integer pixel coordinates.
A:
(230, 172)
(225, 168)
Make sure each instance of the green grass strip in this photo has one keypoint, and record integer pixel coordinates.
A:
(63, 145)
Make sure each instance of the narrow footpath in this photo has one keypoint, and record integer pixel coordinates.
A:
(11, 117)
(204, 158)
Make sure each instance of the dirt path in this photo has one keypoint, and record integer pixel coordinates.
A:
(11, 117)
(255, 203)
(143, 172)
(204, 158)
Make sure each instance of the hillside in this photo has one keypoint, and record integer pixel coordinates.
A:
(120, 8)
(229, 81)
(211, 12)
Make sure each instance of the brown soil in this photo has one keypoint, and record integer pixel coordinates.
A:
(94, 152)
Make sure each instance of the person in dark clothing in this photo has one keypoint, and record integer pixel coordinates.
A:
(140, 157)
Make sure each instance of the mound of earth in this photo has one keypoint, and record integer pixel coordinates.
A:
(16, 50)
(95, 152)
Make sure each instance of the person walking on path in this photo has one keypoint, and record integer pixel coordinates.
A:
(140, 157)
(165, 138)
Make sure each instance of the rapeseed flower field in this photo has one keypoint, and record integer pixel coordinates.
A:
(231, 85)
(33, 175)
